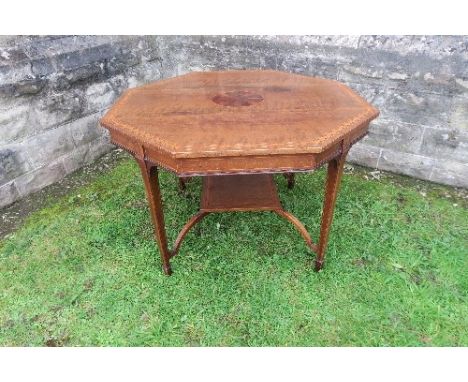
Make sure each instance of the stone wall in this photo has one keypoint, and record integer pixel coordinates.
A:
(54, 89)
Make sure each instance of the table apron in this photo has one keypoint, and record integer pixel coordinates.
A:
(242, 164)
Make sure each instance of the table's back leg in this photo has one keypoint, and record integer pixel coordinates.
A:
(290, 178)
(183, 183)
(153, 193)
(334, 173)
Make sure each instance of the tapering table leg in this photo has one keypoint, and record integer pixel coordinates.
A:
(334, 173)
(153, 193)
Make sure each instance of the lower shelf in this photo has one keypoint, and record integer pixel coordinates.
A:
(239, 193)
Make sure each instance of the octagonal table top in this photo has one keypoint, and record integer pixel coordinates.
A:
(241, 113)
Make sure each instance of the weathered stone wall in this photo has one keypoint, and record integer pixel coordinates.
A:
(54, 89)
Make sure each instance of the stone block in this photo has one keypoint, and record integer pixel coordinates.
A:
(322, 68)
(414, 165)
(449, 172)
(371, 92)
(364, 154)
(252, 57)
(350, 41)
(397, 75)
(119, 83)
(430, 75)
(99, 96)
(57, 108)
(374, 67)
(380, 130)
(86, 154)
(13, 162)
(359, 73)
(342, 56)
(94, 63)
(10, 73)
(297, 64)
(39, 178)
(119, 57)
(50, 46)
(44, 148)
(79, 58)
(308, 41)
(75, 159)
(19, 80)
(446, 144)
(98, 148)
(407, 137)
(437, 46)
(459, 114)
(425, 62)
(462, 85)
(42, 67)
(150, 49)
(91, 72)
(10, 55)
(86, 129)
(29, 86)
(8, 194)
(14, 119)
(395, 135)
(268, 60)
(391, 43)
(9, 41)
(144, 73)
(416, 108)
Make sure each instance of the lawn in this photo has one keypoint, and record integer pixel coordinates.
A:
(85, 270)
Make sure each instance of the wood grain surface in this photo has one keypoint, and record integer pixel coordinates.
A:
(238, 113)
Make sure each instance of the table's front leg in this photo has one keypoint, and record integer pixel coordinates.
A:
(153, 193)
(334, 172)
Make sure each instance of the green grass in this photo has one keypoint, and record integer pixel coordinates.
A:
(85, 270)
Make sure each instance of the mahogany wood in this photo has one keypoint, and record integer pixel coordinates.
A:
(334, 173)
(239, 193)
(177, 123)
(215, 124)
(153, 194)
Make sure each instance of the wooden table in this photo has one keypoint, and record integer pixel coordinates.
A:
(236, 129)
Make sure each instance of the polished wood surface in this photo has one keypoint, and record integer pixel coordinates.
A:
(236, 128)
(153, 194)
(226, 122)
(239, 193)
